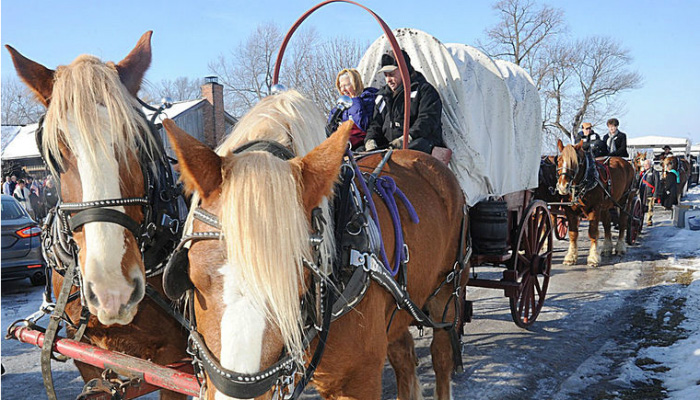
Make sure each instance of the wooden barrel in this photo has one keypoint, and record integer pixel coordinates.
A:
(488, 224)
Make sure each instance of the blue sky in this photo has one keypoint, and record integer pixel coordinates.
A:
(662, 36)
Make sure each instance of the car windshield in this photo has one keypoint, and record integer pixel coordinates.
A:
(11, 210)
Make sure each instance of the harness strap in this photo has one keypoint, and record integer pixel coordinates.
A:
(233, 384)
(52, 330)
(104, 215)
(272, 147)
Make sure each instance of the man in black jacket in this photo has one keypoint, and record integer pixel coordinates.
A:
(616, 140)
(386, 128)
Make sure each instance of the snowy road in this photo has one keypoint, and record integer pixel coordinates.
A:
(629, 329)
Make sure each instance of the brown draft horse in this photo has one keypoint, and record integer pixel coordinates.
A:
(594, 203)
(93, 131)
(248, 285)
(682, 167)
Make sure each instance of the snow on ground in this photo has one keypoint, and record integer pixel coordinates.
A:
(682, 379)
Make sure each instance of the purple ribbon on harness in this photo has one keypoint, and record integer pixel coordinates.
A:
(387, 189)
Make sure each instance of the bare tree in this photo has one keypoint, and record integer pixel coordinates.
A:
(179, 89)
(523, 35)
(333, 56)
(601, 70)
(19, 107)
(310, 65)
(247, 74)
(576, 80)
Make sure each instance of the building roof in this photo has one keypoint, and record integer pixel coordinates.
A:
(176, 109)
(22, 143)
(18, 141)
(678, 145)
(658, 141)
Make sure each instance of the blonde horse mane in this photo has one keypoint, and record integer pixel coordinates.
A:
(88, 94)
(263, 219)
(266, 234)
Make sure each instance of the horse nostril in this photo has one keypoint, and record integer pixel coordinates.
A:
(90, 294)
(137, 294)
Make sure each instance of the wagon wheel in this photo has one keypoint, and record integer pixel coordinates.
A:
(562, 227)
(533, 264)
(635, 221)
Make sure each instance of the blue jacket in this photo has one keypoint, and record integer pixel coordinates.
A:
(361, 109)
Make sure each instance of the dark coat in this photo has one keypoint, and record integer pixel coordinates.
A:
(649, 185)
(426, 113)
(50, 197)
(620, 145)
(594, 143)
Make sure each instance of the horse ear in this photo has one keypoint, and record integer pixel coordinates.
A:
(132, 68)
(579, 145)
(320, 168)
(200, 167)
(36, 76)
(560, 145)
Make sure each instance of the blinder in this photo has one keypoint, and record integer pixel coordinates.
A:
(176, 279)
(38, 137)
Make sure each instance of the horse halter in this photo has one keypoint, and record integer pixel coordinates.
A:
(176, 283)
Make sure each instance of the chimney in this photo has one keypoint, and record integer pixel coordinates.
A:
(214, 122)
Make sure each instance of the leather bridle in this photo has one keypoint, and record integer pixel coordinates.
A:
(281, 374)
(159, 231)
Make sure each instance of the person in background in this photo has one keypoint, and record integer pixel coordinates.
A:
(6, 186)
(616, 140)
(21, 194)
(50, 195)
(648, 188)
(592, 147)
(425, 125)
(34, 197)
(591, 141)
(349, 83)
(667, 152)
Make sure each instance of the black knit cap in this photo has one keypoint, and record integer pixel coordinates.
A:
(389, 63)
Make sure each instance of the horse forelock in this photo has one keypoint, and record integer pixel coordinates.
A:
(287, 118)
(569, 157)
(266, 235)
(90, 105)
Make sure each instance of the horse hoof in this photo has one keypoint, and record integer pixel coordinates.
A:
(593, 264)
(569, 262)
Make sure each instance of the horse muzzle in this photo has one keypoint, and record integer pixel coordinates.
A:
(116, 304)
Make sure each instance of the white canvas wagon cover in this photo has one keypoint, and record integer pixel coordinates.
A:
(491, 116)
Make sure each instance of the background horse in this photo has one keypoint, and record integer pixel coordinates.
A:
(546, 191)
(638, 165)
(251, 282)
(592, 200)
(680, 165)
(93, 131)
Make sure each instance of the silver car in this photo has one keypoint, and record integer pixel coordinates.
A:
(21, 244)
